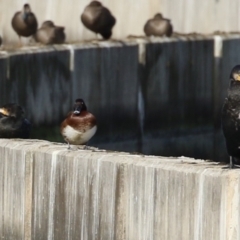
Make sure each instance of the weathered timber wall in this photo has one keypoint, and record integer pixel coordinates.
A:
(196, 16)
(49, 192)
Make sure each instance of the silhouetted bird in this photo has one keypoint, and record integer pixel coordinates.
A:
(13, 124)
(50, 34)
(158, 26)
(79, 126)
(24, 22)
(98, 19)
(231, 117)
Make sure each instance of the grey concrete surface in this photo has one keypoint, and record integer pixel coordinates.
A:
(49, 192)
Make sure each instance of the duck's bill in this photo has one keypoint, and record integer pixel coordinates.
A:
(4, 111)
(76, 112)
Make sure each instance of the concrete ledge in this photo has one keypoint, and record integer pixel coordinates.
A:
(48, 192)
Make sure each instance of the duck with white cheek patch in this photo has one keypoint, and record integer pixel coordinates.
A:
(79, 126)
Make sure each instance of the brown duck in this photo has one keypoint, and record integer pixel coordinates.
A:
(79, 126)
(158, 26)
(50, 33)
(24, 22)
(98, 19)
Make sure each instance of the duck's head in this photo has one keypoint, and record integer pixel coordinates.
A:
(48, 24)
(79, 106)
(95, 4)
(235, 73)
(26, 8)
(26, 11)
(12, 110)
(158, 16)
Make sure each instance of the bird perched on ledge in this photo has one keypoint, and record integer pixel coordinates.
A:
(158, 26)
(231, 117)
(13, 124)
(98, 19)
(49, 33)
(24, 22)
(79, 126)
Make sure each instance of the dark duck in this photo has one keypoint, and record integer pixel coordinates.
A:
(24, 22)
(49, 33)
(231, 117)
(98, 19)
(158, 26)
(79, 126)
(13, 124)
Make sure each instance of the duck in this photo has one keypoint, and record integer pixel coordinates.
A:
(158, 26)
(49, 33)
(98, 19)
(231, 117)
(79, 126)
(13, 124)
(24, 22)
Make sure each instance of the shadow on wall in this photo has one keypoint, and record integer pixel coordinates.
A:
(165, 105)
(40, 82)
